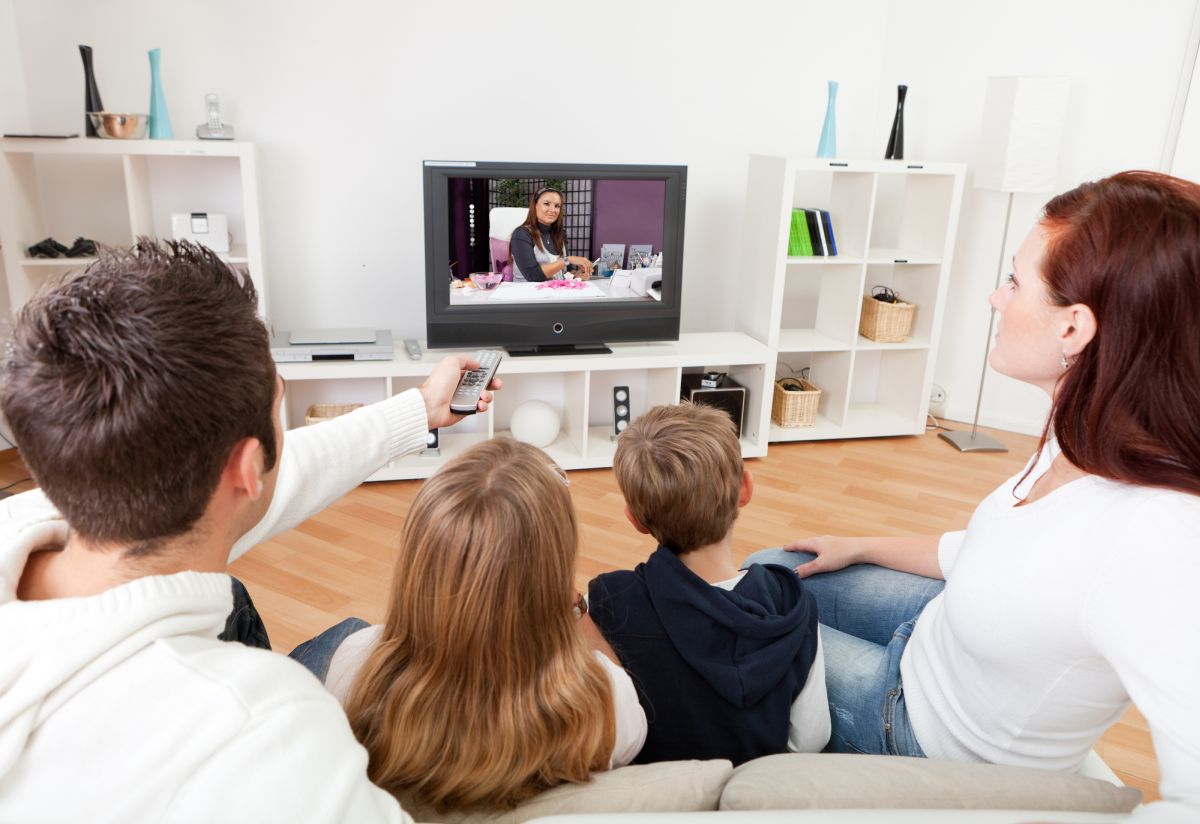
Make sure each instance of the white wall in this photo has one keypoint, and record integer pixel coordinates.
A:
(14, 114)
(1125, 68)
(14, 117)
(1184, 154)
(345, 101)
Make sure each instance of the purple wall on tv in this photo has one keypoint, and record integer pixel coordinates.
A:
(628, 212)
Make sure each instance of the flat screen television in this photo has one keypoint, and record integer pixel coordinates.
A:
(626, 220)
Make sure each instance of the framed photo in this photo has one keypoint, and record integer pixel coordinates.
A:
(612, 257)
(640, 255)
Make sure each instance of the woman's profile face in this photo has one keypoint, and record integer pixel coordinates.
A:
(549, 207)
(1028, 346)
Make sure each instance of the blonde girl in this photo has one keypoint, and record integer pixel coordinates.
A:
(483, 686)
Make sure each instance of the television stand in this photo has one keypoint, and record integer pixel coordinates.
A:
(558, 349)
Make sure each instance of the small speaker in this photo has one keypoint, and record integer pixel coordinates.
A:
(620, 409)
(719, 390)
(431, 450)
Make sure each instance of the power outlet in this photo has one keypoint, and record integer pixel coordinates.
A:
(937, 397)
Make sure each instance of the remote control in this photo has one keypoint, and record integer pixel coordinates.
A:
(412, 348)
(466, 396)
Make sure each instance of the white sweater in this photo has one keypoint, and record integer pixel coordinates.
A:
(1055, 614)
(352, 653)
(124, 706)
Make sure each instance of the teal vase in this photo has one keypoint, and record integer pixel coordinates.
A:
(160, 118)
(828, 145)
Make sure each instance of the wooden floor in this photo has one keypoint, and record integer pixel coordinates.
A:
(338, 564)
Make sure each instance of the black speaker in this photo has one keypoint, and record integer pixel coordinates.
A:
(716, 389)
(620, 409)
(431, 444)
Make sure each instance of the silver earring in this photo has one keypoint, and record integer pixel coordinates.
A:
(1063, 361)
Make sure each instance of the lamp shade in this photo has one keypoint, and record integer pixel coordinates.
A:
(1023, 119)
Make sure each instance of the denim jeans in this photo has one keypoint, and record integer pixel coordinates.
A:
(867, 615)
(244, 624)
(316, 653)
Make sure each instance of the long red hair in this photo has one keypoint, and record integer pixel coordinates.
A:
(1128, 247)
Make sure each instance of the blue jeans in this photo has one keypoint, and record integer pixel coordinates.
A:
(867, 614)
(316, 653)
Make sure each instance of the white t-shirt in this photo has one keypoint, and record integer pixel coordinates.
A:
(809, 726)
(631, 718)
(1055, 614)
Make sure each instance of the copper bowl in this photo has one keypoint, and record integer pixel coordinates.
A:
(120, 125)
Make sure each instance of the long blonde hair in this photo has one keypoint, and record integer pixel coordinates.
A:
(482, 690)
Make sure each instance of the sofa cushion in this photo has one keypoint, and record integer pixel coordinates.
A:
(682, 786)
(801, 781)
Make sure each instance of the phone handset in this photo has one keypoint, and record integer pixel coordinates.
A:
(214, 111)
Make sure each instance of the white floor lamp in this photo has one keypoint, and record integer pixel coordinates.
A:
(1023, 120)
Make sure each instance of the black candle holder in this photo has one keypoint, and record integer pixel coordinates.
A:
(91, 94)
(895, 146)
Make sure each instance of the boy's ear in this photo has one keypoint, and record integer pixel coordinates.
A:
(747, 490)
(636, 523)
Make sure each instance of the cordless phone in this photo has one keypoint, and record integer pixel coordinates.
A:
(214, 129)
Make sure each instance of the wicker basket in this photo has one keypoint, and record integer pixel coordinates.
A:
(327, 411)
(795, 402)
(886, 322)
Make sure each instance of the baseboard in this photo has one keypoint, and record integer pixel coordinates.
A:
(1021, 427)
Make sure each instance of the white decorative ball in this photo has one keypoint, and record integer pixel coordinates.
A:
(536, 423)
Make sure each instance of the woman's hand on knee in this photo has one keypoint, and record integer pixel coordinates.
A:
(832, 553)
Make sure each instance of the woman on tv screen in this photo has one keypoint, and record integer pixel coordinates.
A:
(538, 245)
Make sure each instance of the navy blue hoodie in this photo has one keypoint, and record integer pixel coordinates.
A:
(716, 670)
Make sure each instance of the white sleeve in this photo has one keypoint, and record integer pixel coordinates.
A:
(321, 463)
(348, 659)
(810, 726)
(631, 718)
(297, 762)
(1138, 619)
(948, 546)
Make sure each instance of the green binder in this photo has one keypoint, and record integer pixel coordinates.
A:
(799, 242)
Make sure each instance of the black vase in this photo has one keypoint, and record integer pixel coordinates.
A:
(895, 147)
(91, 95)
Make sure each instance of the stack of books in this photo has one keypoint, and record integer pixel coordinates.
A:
(812, 234)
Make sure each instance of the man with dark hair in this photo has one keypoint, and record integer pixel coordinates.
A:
(146, 404)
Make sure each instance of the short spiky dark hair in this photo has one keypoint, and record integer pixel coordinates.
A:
(128, 385)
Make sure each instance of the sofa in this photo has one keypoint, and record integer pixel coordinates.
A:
(826, 783)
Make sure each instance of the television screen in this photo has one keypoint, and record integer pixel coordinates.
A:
(552, 257)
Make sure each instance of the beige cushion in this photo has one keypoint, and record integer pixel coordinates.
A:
(683, 786)
(799, 781)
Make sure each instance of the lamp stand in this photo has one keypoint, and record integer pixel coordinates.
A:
(973, 441)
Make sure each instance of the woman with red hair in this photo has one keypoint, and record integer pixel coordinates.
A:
(1065, 598)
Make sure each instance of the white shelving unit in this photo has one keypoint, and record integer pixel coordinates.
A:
(114, 191)
(895, 223)
(579, 386)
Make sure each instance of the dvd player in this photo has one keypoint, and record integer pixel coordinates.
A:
(284, 351)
